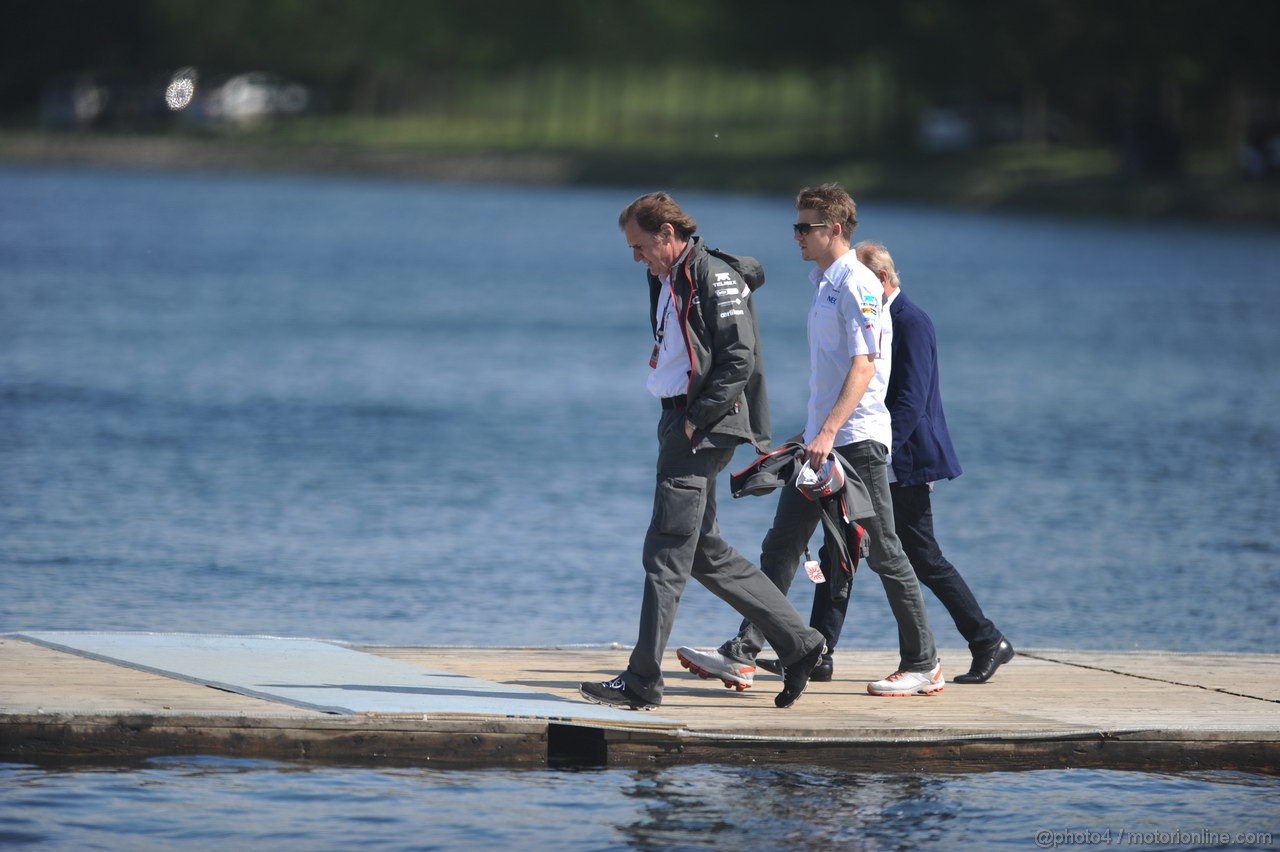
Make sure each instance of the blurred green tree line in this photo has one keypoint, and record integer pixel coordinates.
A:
(1152, 79)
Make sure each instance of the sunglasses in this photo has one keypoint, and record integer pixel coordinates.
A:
(803, 228)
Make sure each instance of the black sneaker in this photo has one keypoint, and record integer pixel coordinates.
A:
(822, 672)
(615, 693)
(796, 677)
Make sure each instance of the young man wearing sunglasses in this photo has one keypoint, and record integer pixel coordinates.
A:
(848, 376)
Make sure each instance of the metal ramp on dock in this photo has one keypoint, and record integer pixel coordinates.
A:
(328, 677)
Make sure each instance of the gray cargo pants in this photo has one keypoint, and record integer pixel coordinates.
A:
(684, 540)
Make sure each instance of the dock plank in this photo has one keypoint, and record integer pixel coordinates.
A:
(1255, 675)
(1031, 694)
(35, 679)
(1046, 708)
(323, 675)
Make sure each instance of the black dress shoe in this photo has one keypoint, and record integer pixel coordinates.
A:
(796, 677)
(822, 672)
(986, 662)
(769, 664)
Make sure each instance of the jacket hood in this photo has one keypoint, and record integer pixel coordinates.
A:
(748, 267)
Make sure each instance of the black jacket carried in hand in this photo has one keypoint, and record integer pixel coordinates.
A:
(845, 538)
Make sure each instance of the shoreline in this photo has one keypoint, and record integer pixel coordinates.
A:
(976, 181)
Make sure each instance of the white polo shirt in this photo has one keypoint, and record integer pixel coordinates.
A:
(846, 320)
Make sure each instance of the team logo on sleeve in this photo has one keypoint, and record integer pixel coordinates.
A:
(870, 310)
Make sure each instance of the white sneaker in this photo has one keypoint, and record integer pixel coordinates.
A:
(707, 663)
(901, 684)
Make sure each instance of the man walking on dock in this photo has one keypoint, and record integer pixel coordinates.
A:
(707, 373)
(848, 375)
(922, 455)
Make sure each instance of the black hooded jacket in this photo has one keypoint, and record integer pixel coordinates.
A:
(712, 295)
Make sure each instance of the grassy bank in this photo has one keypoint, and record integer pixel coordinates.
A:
(1062, 181)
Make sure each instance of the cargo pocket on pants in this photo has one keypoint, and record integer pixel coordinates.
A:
(677, 506)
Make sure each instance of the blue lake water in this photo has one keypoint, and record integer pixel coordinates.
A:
(213, 803)
(406, 413)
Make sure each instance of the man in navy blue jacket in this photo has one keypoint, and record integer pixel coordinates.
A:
(922, 454)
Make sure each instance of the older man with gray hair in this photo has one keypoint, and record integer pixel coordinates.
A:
(923, 454)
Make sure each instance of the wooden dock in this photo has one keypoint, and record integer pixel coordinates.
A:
(1136, 710)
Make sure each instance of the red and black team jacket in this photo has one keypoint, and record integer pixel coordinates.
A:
(712, 294)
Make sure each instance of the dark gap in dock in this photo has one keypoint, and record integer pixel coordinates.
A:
(571, 746)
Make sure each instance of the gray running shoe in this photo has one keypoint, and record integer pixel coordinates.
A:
(902, 684)
(708, 663)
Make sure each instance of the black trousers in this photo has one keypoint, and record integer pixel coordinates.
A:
(913, 519)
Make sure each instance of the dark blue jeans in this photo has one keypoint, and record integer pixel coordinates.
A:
(913, 519)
